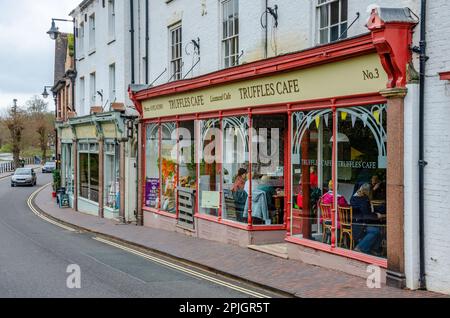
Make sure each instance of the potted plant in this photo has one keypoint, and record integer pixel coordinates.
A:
(56, 182)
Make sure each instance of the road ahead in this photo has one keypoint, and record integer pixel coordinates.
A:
(35, 255)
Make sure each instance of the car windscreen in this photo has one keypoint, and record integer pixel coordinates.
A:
(23, 172)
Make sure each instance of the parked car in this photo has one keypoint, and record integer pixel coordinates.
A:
(24, 176)
(49, 167)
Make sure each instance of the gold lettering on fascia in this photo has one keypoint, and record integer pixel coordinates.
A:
(154, 108)
(270, 89)
(187, 102)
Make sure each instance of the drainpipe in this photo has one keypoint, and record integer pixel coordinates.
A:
(147, 32)
(422, 162)
(132, 40)
(266, 39)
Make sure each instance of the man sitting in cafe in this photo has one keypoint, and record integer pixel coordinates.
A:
(366, 224)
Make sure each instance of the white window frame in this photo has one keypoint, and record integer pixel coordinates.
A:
(230, 58)
(81, 33)
(92, 28)
(82, 92)
(112, 83)
(92, 89)
(341, 24)
(176, 52)
(111, 20)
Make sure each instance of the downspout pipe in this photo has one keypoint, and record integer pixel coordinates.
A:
(422, 162)
(132, 40)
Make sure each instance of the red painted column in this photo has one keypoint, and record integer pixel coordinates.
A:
(75, 175)
(288, 176)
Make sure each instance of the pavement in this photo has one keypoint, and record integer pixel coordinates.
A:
(279, 275)
(36, 256)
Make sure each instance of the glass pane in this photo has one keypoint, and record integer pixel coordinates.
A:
(209, 180)
(84, 175)
(235, 168)
(323, 12)
(268, 156)
(188, 167)
(169, 168)
(323, 36)
(334, 7)
(334, 33)
(344, 10)
(112, 195)
(343, 31)
(362, 163)
(311, 175)
(93, 177)
(152, 182)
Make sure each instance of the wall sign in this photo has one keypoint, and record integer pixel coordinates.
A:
(348, 77)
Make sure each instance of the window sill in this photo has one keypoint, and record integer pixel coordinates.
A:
(91, 52)
(372, 260)
(111, 41)
(81, 58)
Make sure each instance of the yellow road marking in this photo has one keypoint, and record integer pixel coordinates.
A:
(183, 269)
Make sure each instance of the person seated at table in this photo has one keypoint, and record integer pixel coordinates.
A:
(378, 189)
(239, 182)
(366, 224)
(328, 198)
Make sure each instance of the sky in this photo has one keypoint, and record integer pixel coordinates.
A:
(26, 51)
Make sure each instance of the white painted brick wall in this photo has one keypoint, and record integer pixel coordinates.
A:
(437, 149)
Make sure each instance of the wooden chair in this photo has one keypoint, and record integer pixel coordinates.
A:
(346, 220)
(327, 219)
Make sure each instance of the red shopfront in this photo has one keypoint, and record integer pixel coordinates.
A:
(284, 150)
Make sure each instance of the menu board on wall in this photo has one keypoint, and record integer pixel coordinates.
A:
(210, 200)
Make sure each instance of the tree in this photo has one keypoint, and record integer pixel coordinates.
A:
(37, 109)
(15, 124)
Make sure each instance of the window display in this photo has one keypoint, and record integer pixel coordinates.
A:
(89, 171)
(169, 167)
(112, 195)
(152, 181)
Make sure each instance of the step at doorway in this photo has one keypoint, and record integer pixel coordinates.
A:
(278, 250)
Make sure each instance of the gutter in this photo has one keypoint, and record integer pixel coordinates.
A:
(132, 40)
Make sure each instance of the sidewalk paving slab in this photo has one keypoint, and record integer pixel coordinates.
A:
(287, 276)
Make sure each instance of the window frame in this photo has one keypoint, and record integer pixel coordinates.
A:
(111, 20)
(92, 31)
(112, 83)
(176, 59)
(227, 39)
(329, 26)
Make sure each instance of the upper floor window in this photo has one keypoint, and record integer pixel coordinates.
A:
(230, 35)
(81, 39)
(332, 20)
(82, 93)
(112, 19)
(112, 83)
(92, 32)
(176, 52)
(92, 89)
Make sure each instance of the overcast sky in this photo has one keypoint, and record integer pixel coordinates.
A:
(26, 51)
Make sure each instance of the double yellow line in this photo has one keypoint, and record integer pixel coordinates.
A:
(153, 259)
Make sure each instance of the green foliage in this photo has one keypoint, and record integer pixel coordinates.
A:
(71, 44)
(7, 148)
(56, 180)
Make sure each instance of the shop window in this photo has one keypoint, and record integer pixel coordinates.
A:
(267, 186)
(311, 175)
(169, 167)
(152, 182)
(362, 163)
(235, 167)
(188, 167)
(332, 20)
(209, 174)
(112, 188)
(89, 172)
(67, 167)
(230, 33)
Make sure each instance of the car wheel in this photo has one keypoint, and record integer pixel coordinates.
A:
(12, 185)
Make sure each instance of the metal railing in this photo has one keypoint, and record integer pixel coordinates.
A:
(10, 167)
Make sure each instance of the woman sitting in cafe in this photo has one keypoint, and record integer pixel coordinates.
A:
(366, 224)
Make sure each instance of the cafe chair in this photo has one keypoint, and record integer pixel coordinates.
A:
(327, 219)
(346, 219)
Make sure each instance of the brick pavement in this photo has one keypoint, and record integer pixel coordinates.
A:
(293, 277)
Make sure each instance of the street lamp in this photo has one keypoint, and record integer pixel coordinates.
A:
(54, 30)
(45, 93)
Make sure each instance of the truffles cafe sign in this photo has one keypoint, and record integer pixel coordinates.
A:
(326, 81)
